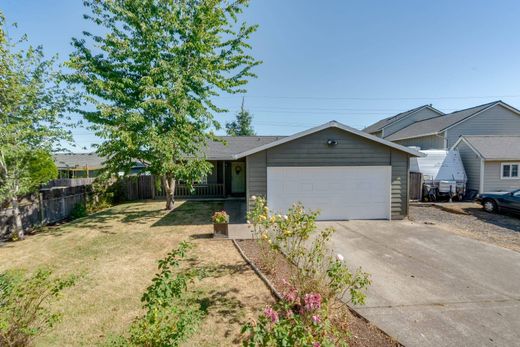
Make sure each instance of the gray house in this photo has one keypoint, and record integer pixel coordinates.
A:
(492, 162)
(343, 172)
(442, 131)
(390, 125)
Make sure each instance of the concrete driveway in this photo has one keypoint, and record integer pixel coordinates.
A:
(434, 288)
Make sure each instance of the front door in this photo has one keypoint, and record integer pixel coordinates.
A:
(238, 177)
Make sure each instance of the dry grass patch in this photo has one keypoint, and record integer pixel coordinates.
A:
(116, 252)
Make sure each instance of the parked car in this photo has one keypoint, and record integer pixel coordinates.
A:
(500, 201)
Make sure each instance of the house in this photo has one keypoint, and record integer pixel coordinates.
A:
(82, 165)
(343, 172)
(442, 131)
(390, 125)
(492, 162)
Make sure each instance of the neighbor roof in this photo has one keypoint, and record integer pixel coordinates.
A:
(436, 125)
(332, 124)
(387, 121)
(233, 145)
(494, 147)
(78, 160)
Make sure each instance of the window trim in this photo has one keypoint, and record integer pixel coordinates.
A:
(510, 171)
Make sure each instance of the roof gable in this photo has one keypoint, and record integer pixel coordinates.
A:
(436, 125)
(493, 147)
(325, 126)
(229, 146)
(393, 119)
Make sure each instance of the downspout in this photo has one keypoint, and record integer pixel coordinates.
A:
(482, 166)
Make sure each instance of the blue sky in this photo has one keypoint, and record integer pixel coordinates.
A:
(351, 61)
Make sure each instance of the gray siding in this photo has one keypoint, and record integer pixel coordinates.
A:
(378, 133)
(471, 162)
(406, 121)
(424, 142)
(492, 180)
(351, 150)
(256, 175)
(496, 121)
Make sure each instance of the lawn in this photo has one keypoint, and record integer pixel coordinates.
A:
(116, 251)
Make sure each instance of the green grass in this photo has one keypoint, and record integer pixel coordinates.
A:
(116, 252)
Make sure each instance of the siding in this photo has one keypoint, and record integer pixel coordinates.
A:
(492, 180)
(496, 121)
(424, 142)
(471, 162)
(378, 133)
(415, 117)
(256, 175)
(351, 150)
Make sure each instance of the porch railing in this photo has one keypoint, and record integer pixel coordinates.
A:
(200, 190)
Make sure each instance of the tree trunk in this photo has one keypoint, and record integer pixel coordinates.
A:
(169, 188)
(17, 219)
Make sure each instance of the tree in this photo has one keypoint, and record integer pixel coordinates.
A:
(32, 104)
(242, 125)
(152, 78)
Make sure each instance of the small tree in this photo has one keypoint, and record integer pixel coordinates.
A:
(152, 77)
(32, 103)
(241, 126)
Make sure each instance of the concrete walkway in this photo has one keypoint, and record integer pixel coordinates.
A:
(434, 288)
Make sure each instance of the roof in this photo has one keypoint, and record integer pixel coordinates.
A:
(387, 121)
(233, 145)
(78, 160)
(438, 124)
(332, 124)
(494, 147)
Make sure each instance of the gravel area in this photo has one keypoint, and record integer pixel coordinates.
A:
(471, 221)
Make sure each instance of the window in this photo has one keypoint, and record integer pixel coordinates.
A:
(510, 171)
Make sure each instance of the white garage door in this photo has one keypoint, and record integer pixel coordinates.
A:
(339, 192)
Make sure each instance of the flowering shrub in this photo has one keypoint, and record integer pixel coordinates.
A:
(295, 321)
(220, 217)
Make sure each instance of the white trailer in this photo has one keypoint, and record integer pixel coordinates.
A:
(443, 174)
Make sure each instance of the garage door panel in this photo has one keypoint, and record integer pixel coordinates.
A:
(339, 192)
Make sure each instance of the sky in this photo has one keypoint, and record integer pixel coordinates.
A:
(350, 61)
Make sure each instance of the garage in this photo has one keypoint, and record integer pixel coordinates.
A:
(343, 172)
(339, 192)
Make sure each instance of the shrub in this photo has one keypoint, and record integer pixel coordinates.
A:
(78, 211)
(220, 217)
(173, 313)
(26, 304)
(294, 321)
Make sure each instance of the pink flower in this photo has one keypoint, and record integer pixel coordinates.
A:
(270, 313)
(289, 314)
(316, 319)
(312, 301)
(316, 344)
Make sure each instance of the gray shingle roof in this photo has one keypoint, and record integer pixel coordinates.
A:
(234, 145)
(387, 121)
(437, 124)
(213, 151)
(495, 147)
(78, 160)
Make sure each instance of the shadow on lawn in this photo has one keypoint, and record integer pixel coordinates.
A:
(190, 213)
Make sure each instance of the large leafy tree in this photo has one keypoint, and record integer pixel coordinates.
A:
(33, 103)
(241, 126)
(152, 77)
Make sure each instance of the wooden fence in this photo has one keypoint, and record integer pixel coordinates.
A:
(415, 186)
(50, 206)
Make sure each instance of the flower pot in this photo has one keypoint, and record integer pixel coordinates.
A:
(220, 230)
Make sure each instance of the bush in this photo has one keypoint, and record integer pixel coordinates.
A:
(26, 304)
(220, 217)
(173, 313)
(78, 211)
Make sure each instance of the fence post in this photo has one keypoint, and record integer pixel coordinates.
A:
(42, 206)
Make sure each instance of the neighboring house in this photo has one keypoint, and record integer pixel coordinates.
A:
(390, 125)
(495, 118)
(492, 162)
(81, 165)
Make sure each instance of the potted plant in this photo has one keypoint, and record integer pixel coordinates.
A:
(220, 223)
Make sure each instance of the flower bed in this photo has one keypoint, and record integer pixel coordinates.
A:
(293, 254)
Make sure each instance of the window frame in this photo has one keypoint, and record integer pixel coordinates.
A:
(510, 177)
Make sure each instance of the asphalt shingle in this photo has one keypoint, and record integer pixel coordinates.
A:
(496, 147)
